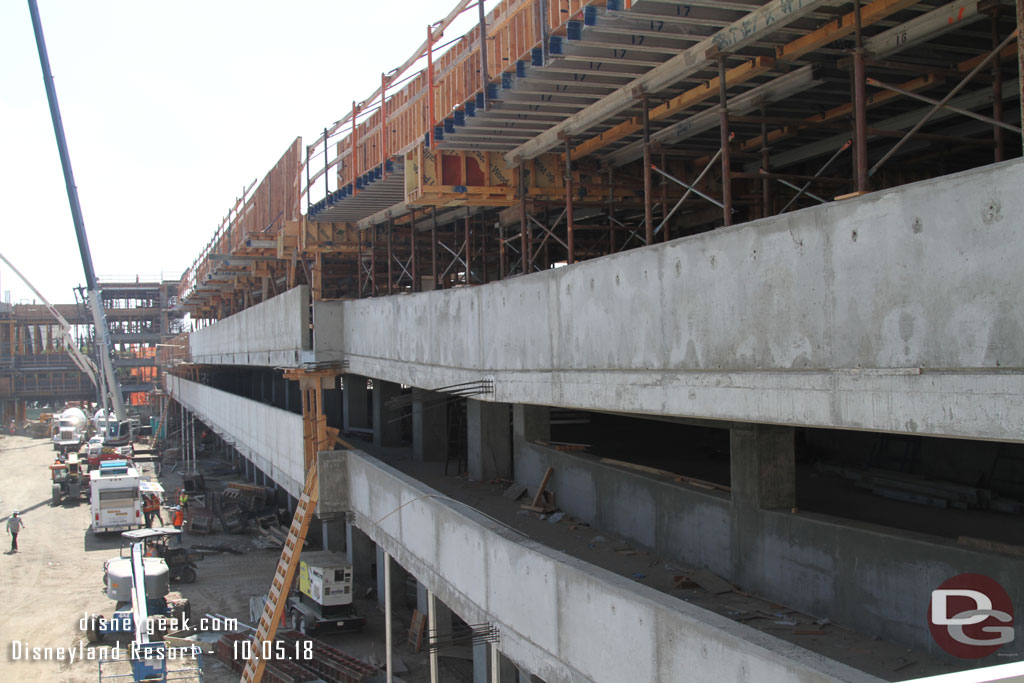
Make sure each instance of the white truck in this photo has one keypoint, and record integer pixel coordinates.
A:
(115, 498)
(71, 430)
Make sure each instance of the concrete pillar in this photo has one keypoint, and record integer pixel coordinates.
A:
(530, 423)
(429, 426)
(354, 403)
(361, 552)
(763, 467)
(422, 598)
(334, 535)
(387, 429)
(489, 440)
(439, 623)
(481, 662)
(332, 407)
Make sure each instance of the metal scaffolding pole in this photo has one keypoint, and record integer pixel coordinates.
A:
(723, 125)
(648, 180)
(860, 104)
(571, 246)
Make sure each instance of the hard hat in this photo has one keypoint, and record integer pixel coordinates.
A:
(15, 513)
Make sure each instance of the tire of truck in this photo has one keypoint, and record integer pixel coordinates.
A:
(92, 632)
(188, 575)
(55, 492)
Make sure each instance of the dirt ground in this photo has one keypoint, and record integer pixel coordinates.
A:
(56, 578)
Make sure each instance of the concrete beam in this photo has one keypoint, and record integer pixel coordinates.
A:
(273, 333)
(269, 438)
(893, 312)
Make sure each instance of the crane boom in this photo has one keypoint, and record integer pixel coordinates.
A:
(95, 301)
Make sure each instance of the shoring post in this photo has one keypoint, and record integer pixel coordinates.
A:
(664, 194)
(355, 151)
(997, 88)
(648, 180)
(611, 210)
(1020, 62)
(501, 251)
(468, 250)
(383, 126)
(571, 241)
(413, 256)
(766, 184)
(483, 51)
(433, 247)
(373, 261)
(327, 169)
(390, 257)
(860, 104)
(483, 251)
(359, 265)
(523, 222)
(430, 85)
(723, 125)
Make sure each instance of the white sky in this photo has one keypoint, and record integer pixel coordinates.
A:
(170, 109)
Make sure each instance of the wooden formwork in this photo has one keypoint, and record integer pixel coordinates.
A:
(515, 28)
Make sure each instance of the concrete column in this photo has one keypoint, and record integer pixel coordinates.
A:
(481, 662)
(763, 467)
(530, 423)
(422, 598)
(354, 403)
(334, 535)
(439, 622)
(332, 407)
(387, 430)
(489, 440)
(361, 553)
(429, 426)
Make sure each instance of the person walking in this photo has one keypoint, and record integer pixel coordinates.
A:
(156, 508)
(183, 503)
(14, 525)
(148, 509)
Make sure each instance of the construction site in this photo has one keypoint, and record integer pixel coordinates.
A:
(612, 341)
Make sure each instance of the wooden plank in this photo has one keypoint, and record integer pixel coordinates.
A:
(416, 629)
(711, 582)
(538, 499)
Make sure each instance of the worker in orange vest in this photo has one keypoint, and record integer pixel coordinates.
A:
(178, 519)
(149, 508)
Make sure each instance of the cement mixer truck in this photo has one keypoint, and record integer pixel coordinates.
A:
(72, 429)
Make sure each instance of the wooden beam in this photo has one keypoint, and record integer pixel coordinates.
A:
(840, 28)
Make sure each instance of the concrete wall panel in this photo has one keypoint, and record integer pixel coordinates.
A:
(269, 437)
(272, 333)
(896, 312)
